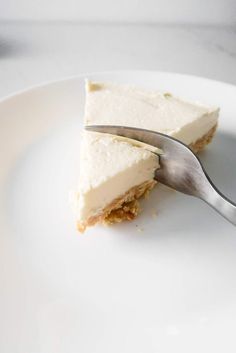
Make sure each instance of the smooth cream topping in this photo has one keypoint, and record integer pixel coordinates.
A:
(109, 168)
(113, 104)
(111, 165)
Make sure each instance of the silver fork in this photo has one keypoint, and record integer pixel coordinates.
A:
(180, 168)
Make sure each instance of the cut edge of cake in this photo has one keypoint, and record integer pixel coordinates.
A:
(123, 208)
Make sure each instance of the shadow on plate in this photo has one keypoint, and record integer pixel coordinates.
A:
(184, 215)
(10, 47)
(220, 162)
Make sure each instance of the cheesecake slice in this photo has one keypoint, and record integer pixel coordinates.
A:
(115, 172)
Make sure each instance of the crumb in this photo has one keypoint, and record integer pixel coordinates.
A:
(140, 230)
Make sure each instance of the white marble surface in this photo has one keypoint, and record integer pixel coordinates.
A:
(31, 53)
(134, 11)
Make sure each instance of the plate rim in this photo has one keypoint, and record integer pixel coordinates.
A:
(46, 83)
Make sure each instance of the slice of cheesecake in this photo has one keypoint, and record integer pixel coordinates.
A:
(115, 172)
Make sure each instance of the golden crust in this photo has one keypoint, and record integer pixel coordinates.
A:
(200, 144)
(126, 207)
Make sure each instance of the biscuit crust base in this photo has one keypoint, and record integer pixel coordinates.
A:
(126, 207)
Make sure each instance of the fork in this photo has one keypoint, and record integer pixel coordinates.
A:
(179, 169)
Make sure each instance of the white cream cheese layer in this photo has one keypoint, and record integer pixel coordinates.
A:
(112, 104)
(109, 167)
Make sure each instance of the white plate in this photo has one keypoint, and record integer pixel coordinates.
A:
(168, 288)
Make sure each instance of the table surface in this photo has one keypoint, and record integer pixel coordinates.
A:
(32, 53)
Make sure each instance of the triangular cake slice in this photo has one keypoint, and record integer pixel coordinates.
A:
(114, 173)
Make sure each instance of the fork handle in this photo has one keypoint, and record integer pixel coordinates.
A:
(218, 201)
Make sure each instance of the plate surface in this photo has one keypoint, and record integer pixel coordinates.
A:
(163, 283)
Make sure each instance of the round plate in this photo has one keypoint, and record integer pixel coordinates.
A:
(163, 283)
